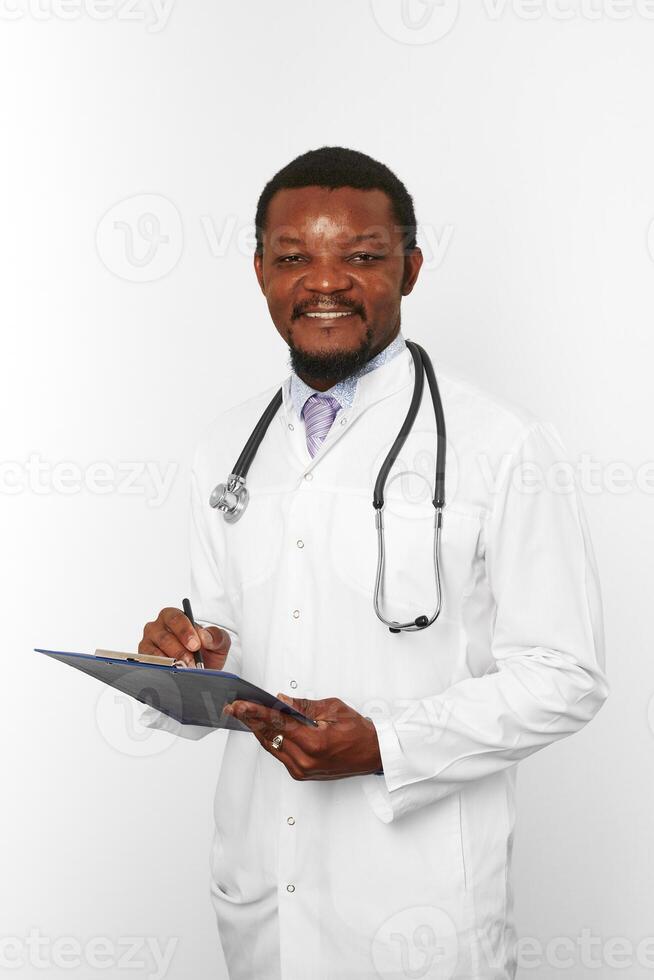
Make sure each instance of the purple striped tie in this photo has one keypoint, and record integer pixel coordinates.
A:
(318, 413)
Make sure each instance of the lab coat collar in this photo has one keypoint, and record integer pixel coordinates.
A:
(374, 387)
(384, 381)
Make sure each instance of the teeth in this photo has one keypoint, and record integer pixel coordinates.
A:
(327, 316)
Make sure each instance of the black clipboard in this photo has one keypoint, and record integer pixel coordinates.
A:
(190, 695)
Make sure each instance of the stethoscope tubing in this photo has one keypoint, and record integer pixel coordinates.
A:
(422, 365)
(232, 497)
(249, 451)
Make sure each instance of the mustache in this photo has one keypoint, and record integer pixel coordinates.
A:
(322, 307)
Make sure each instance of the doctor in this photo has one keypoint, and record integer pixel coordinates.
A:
(379, 843)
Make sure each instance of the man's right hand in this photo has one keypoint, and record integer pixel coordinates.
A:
(172, 635)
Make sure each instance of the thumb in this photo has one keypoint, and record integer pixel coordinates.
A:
(291, 702)
(306, 707)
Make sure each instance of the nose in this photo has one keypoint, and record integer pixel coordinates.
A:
(327, 274)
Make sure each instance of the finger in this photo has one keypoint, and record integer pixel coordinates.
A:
(169, 646)
(288, 753)
(177, 623)
(215, 639)
(267, 722)
(146, 646)
(215, 646)
(306, 707)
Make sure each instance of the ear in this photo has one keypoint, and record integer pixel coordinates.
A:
(412, 264)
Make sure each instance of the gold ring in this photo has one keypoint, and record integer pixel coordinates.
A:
(277, 741)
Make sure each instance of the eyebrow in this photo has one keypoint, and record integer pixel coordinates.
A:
(288, 240)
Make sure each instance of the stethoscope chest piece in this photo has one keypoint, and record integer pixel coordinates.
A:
(231, 498)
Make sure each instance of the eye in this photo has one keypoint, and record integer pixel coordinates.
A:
(366, 257)
(288, 259)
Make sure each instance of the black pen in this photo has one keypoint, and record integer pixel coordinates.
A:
(188, 612)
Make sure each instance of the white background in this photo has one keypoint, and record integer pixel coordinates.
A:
(524, 134)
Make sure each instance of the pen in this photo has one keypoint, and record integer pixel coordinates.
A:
(188, 612)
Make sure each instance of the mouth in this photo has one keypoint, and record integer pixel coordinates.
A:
(323, 316)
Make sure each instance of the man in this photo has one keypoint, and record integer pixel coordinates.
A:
(377, 844)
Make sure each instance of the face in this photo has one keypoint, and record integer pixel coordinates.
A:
(333, 272)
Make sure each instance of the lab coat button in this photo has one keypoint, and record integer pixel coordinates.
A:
(290, 888)
(290, 820)
(293, 684)
(343, 421)
(308, 476)
(300, 543)
(296, 613)
(291, 426)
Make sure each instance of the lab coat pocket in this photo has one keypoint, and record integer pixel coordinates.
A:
(409, 581)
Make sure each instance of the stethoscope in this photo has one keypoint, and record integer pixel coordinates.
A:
(232, 497)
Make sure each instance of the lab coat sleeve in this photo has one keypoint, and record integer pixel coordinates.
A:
(208, 598)
(547, 680)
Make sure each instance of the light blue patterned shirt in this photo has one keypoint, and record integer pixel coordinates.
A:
(345, 390)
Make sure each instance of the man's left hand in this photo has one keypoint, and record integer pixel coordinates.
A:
(344, 743)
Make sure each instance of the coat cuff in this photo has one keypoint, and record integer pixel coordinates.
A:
(152, 718)
(386, 803)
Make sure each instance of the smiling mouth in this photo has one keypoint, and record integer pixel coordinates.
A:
(329, 316)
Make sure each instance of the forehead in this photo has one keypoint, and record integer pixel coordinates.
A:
(329, 212)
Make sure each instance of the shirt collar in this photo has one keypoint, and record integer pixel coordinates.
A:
(345, 390)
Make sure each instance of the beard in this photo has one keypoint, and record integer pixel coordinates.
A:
(333, 366)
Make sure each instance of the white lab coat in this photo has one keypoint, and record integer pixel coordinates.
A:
(405, 874)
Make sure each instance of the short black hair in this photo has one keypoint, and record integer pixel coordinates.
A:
(337, 166)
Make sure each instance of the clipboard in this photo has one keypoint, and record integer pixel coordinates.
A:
(189, 695)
